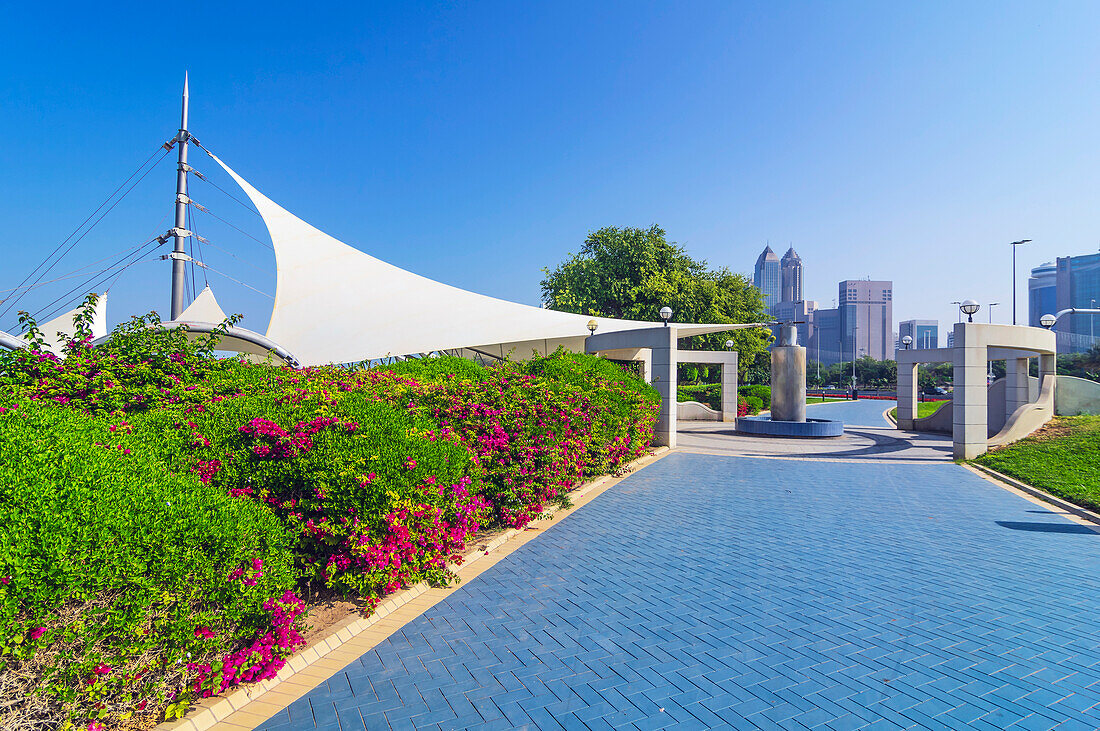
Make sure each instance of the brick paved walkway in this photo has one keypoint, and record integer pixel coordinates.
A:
(865, 412)
(711, 592)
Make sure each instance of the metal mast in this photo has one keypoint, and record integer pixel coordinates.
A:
(180, 232)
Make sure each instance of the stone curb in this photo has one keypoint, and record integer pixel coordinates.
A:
(228, 712)
(1083, 513)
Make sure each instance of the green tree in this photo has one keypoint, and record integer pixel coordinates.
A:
(631, 273)
(1081, 365)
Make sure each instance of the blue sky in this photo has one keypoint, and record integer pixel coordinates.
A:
(477, 143)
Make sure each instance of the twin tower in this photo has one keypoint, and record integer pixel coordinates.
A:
(779, 280)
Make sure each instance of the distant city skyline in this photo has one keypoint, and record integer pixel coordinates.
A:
(860, 322)
(476, 144)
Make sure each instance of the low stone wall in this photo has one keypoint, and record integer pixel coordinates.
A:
(1075, 396)
(941, 422)
(695, 411)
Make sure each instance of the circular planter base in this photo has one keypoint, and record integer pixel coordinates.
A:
(809, 428)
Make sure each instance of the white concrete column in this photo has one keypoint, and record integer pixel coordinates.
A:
(664, 359)
(1047, 367)
(729, 388)
(907, 395)
(970, 431)
(646, 361)
(1017, 391)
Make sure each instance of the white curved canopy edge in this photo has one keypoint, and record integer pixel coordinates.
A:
(11, 342)
(56, 332)
(336, 304)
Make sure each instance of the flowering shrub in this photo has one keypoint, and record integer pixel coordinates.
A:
(141, 367)
(170, 508)
(109, 563)
(372, 509)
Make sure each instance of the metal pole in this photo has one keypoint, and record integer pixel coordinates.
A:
(1014, 245)
(1014, 284)
(178, 261)
(855, 340)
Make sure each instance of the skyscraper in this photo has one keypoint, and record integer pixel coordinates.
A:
(1068, 282)
(825, 343)
(866, 318)
(1042, 297)
(766, 276)
(925, 333)
(1078, 285)
(790, 275)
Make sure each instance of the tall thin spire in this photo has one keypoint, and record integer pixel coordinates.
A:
(180, 232)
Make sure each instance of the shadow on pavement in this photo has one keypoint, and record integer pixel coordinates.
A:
(1046, 527)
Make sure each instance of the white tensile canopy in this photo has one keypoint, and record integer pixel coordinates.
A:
(204, 308)
(336, 304)
(64, 324)
(204, 316)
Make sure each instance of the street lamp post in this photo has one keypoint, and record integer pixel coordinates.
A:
(969, 307)
(1014, 245)
(991, 305)
(1092, 327)
(855, 340)
(960, 311)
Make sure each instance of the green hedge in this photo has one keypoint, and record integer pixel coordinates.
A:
(762, 393)
(166, 506)
(140, 553)
(708, 393)
(430, 370)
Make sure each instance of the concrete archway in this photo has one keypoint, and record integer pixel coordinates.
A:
(975, 345)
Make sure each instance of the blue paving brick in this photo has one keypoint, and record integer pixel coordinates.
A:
(757, 593)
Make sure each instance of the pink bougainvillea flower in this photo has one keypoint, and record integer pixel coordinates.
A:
(101, 669)
(37, 632)
(204, 632)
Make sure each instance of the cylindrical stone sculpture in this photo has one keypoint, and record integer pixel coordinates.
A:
(788, 377)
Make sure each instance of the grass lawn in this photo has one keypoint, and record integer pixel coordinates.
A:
(924, 408)
(826, 400)
(1062, 458)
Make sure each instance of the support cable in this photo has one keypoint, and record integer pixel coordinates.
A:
(204, 209)
(191, 252)
(81, 272)
(201, 241)
(84, 286)
(87, 230)
(258, 291)
(205, 179)
(208, 242)
(84, 274)
(116, 278)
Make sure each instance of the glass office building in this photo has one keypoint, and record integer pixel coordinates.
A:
(1068, 282)
(1078, 286)
(925, 333)
(1041, 293)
